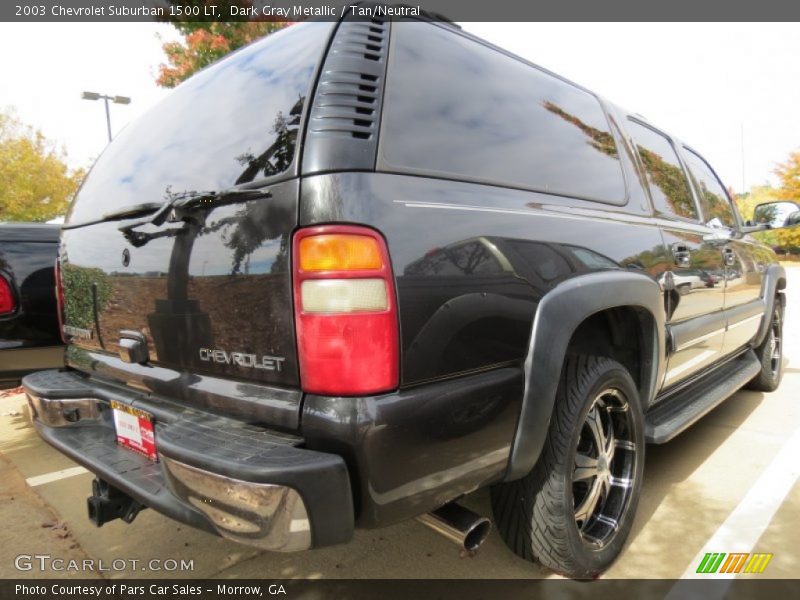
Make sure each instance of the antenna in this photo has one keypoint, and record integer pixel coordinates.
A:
(744, 190)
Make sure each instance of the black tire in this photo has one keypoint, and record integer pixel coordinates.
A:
(770, 353)
(536, 515)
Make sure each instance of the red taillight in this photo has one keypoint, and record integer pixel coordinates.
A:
(60, 300)
(8, 303)
(346, 313)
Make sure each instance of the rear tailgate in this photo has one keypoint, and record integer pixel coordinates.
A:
(209, 294)
(214, 297)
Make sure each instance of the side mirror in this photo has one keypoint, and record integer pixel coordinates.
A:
(779, 214)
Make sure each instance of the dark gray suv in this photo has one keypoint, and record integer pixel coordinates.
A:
(357, 270)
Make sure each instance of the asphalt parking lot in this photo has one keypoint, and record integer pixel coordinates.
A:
(729, 484)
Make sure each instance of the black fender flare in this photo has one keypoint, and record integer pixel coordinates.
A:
(558, 315)
(774, 280)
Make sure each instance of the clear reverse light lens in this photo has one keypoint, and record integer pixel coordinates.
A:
(344, 295)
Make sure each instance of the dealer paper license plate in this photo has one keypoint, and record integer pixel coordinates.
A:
(135, 430)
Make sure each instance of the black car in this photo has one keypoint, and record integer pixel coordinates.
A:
(29, 331)
(357, 270)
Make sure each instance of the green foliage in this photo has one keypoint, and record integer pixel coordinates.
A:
(670, 179)
(206, 40)
(789, 174)
(746, 203)
(715, 206)
(766, 214)
(787, 240)
(599, 140)
(78, 297)
(35, 182)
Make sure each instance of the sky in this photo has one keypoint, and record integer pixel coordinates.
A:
(713, 85)
(46, 66)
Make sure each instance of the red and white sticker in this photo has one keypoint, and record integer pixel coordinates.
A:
(135, 430)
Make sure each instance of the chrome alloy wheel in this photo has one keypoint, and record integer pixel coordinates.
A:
(775, 346)
(605, 465)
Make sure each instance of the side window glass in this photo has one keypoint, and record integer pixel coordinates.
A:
(716, 207)
(459, 109)
(668, 184)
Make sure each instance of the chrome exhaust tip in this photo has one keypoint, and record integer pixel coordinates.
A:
(459, 525)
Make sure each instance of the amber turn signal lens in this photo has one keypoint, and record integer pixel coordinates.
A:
(339, 252)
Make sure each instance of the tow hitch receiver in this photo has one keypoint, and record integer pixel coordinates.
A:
(108, 503)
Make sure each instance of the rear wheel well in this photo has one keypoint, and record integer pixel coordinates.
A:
(625, 334)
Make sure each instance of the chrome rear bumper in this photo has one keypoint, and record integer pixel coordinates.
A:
(272, 517)
(252, 486)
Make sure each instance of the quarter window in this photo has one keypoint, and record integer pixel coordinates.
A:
(456, 108)
(668, 185)
(714, 201)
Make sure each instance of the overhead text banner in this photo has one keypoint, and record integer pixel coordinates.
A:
(453, 10)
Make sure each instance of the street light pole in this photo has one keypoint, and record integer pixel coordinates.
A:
(108, 118)
(106, 98)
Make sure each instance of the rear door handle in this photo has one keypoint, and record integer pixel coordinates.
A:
(682, 254)
(729, 256)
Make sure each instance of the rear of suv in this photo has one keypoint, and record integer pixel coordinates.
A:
(357, 270)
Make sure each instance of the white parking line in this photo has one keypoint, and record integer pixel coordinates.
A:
(55, 476)
(749, 520)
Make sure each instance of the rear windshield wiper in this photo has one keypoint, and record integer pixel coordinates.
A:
(136, 210)
(180, 207)
(161, 210)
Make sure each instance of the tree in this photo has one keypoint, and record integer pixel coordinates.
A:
(789, 175)
(206, 40)
(35, 182)
(784, 240)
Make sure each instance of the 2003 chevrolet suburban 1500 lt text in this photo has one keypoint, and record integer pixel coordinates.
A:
(357, 270)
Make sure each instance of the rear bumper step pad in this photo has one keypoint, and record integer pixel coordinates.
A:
(246, 483)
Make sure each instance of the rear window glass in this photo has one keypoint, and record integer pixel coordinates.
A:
(232, 123)
(458, 109)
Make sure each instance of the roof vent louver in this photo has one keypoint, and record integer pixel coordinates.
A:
(345, 115)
